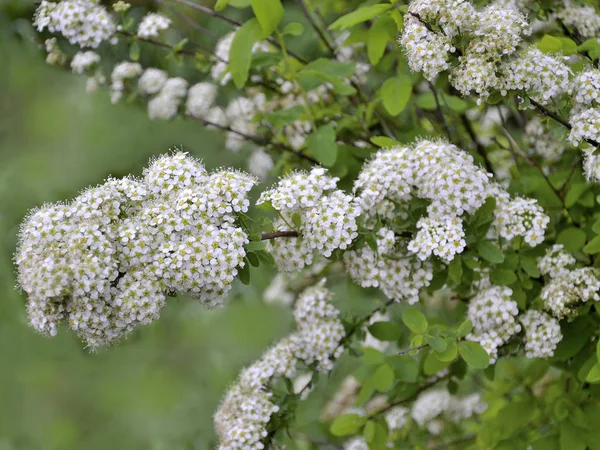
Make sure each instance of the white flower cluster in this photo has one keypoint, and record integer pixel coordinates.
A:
(583, 18)
(585, 125)
(82, 22)
(493, 315)
(586, 88)
(327, 219)
(564, 293)
(165, 105)
(105, 261)
(431, 404)
(488, 40)
(542, 334)
(123, 72)
(393, 269)
(152, 81)
(220, 68)
(83, 61)
(242, 418)
(397, 417)
(521, 217)
(55, 55)
(542, 141)
(591, 164)
(555, 262)
(442, 237)
(152, 24)
(357, 443)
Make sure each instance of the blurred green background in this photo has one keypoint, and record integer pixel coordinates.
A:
(159, 388)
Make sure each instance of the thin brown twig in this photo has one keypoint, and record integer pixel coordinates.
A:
(480, 149)
(189, 21)
(278, 234)
(312, 22)
(159, 43)
(256, 139)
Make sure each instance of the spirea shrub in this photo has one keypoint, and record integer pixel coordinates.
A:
(429, 211)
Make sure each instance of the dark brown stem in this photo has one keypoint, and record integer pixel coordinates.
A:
(160, 43)
(440, 111)
(278, 234)
(480, 149)
(256, 139)
(312, 22)
(408, 350)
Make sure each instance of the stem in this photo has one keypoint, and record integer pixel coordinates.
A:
(480, 149)
(408, 350)
(312, 22)
(256, 139)
(160, 43)
(278, 234)
(441, 113)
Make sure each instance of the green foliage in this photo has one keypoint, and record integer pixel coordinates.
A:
(240, 54)
(269, 14)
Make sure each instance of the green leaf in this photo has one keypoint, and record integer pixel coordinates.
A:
(405, 367)
(347, 424)
(490, 252)
(574, 193)
(221, 5)
(432, 364)
(550, 44)
(572, 239)
(384, 142)
(485, 214)
(383, 378)
(240, 53)
(321, 144)
(380, 438)
(244, 274)
(380, 33)
(465, 328)
(450, 353)
(134, 51)
(437, 343)
(385, 331)
(360, 15)
(598, 351)
(593, 375)
(568, 45)
(596, 227)
(293, 29)
(473, 354)
(456, 103)
(529, 265)
(269, 14)
(371, 356)
(414, 320)
(426, 101)
(455, 270)
(572, 437)
(369, 431)
(396, 93)
(283, 117)
(503, 277)
(593, 246)
(590, 44)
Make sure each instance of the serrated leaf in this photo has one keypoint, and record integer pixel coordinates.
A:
(321, 144)
(347, 424)
(473, 354)
(414, 320)
(269, 14)
(360, 15)
(240, 53)
(395, 93)
(385, 331)
(490, 252)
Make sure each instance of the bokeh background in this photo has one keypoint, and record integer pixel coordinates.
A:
(158, 389)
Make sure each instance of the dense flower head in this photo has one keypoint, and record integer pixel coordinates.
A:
(556, 262)
(442, 237)
(542, 334)
(460, 408)
(397, 417)
(105, 261)
(398, 273)
(586, 88)
(83, 61)
(152, 81)
(585, 125)
(591, 164)
(521, 217)
(152, 24)
(200, 98)
(121, 73)
(493, 315)
(290, 253)
(564, 293)
(242, 417)
(429, 405)
(583, 18)
(542, 140)
(82, 22)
